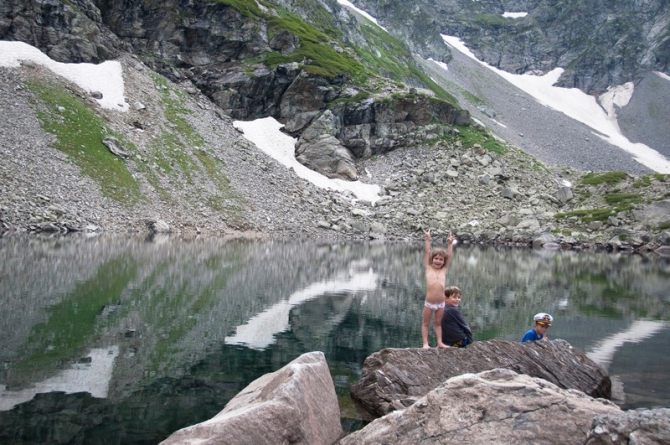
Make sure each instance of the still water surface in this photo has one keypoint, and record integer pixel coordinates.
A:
(114, 340)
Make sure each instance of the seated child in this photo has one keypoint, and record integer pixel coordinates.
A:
(455, 331)
(542, 324)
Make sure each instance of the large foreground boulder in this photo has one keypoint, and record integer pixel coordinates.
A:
(294, 405)
(497, 406)
(395, 378)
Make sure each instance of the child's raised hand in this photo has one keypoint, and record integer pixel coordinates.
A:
(426, 235)
(451, 237)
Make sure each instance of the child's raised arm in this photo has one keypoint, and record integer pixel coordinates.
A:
(450, 247)
(426, 236)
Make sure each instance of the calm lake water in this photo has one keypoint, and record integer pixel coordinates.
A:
(113, 340)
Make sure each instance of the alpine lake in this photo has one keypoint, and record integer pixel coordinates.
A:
(124, 340)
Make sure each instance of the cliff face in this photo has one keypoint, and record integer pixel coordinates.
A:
(253, 61)
(233, 50)
(243, 56)
(599, 43)
(68, 32)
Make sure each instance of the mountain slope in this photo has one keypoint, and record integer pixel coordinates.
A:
(517, 117)
(598, 45)
(181, 161)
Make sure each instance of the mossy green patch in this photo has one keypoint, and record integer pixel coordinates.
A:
(588, 215)
(358, 97)
(226, 199)
(321, 59)
(470, 136)
(644, 181)
(315, 53)
(584, 194)
(248, 8)
(622, 201)
(618, 202)
(79, 133)
(171, 149)
(609, 178)
(322, 53)
(182, 153)
(473, 99)
(392, 58)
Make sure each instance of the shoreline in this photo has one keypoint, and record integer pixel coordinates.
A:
(537, 243)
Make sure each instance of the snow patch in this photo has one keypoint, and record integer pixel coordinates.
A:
(266, 134)
(577, 105)
(348, 4)
(514, 15)
(105, 78)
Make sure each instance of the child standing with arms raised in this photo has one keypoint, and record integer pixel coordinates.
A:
(437, 263)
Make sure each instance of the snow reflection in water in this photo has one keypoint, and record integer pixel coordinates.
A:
(259, 331)
(92, 376)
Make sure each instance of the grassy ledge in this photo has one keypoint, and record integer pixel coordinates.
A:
(79, 133)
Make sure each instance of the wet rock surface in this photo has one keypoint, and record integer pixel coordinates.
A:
(497, 406)
(393, 379)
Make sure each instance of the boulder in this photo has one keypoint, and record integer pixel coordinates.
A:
(160, 226)
(654, 214)
(641, 426)
(496, 406)
(115, 147)
(296, 404)
(319, 150)
(564, 194)
(395, 378)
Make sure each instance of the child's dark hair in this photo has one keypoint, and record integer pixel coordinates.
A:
(451, 290)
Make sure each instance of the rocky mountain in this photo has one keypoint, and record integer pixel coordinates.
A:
(599, 44)
(361, 105)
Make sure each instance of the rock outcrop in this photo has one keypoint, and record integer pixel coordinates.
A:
(394, 379)
(296, 404)
(319, 150)
(68, 32)
(641, 426)
(497, 406)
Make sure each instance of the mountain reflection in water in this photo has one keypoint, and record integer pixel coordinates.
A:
(125, 340)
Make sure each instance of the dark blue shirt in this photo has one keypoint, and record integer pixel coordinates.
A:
(532, 336)
(454, 327)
